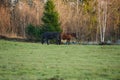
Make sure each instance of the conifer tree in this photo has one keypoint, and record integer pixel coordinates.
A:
(50, 18)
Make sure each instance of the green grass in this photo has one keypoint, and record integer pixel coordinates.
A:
(34, 61)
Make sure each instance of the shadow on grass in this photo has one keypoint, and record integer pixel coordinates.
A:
(55, 78)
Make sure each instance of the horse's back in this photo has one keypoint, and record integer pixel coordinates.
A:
(51, 34)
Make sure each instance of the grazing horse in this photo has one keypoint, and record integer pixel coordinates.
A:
(46, 36)
(68, 37)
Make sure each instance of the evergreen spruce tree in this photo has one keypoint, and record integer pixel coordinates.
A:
(50, 18)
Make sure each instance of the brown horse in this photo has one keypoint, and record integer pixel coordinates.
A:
(68, 37)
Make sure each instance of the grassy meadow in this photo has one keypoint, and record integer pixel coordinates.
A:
(34, 61)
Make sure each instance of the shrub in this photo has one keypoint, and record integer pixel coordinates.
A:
(33, 33)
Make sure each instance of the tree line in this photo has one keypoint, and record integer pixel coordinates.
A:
(91, 20)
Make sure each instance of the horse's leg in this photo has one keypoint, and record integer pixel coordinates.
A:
(47, 41)
(42, 41)
(68, 41)
(56, 41)
(59, 41)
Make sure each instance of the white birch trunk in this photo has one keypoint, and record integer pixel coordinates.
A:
(102, 18)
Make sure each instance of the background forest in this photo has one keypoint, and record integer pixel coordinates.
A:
(82, 17)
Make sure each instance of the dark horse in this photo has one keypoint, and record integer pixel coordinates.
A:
(68, 37)
(46, 36)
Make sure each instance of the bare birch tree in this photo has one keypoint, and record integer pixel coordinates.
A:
(102, 15)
